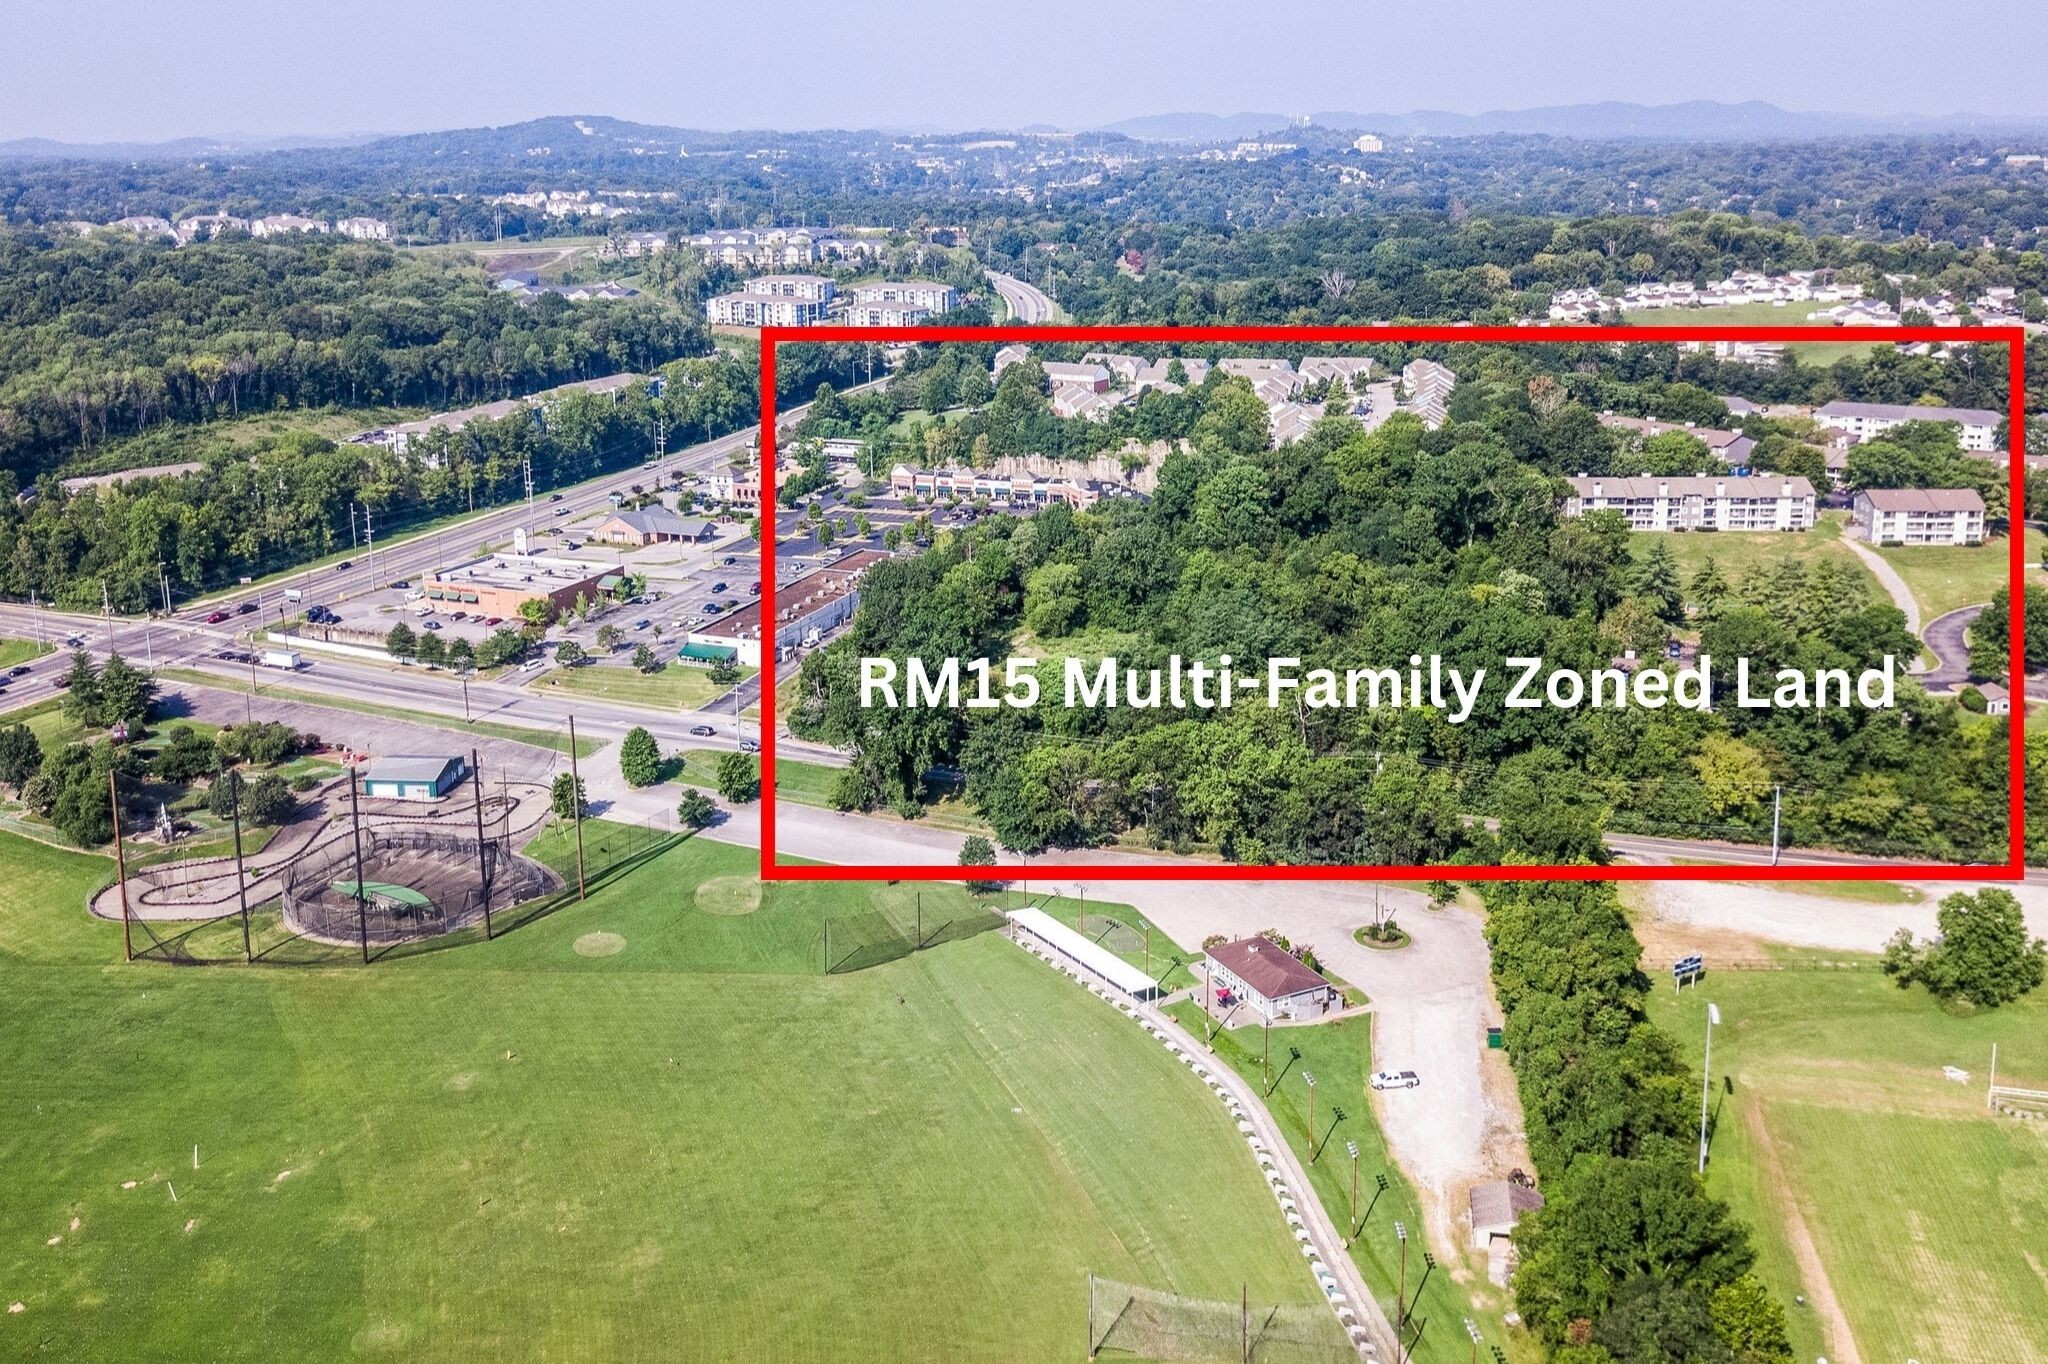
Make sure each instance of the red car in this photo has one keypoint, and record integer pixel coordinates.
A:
(216, 618)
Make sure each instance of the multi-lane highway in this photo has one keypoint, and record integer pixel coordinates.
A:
(1026, 303)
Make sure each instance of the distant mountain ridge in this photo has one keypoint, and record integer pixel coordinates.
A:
(177, 148)
(1691, 121)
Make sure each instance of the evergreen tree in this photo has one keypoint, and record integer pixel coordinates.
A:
(639, 758)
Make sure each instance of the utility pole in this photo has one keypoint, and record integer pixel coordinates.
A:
(527, 465)
(107, 613)
(353, 542)
(370, 541)
(1707, 1081)
(35, 608)
(576, 800)
(1777, 808)
(163, 580)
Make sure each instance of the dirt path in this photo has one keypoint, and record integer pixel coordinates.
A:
(1841, 1344)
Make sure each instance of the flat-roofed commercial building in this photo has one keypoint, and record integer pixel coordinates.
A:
(499, 584)
(1714, 503)
(820, 600)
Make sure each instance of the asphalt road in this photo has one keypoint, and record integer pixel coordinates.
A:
(1027, 304)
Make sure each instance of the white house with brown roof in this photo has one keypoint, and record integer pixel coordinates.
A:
(1920, 516)
(1272, 980)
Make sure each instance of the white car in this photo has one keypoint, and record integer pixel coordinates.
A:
(1395, 1079)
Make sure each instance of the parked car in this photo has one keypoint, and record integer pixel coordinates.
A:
(1395, 1079)
(702, 731)
(718, 587)
(402, 584)
(431, 625)
(458, 615)
(494, 620)
(712, 608)
(727, 562)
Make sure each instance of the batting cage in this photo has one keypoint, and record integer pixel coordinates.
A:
(1129, 1321)
(400, 885)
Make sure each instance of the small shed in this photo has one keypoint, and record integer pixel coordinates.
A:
(414, 776)
(1496, 1207)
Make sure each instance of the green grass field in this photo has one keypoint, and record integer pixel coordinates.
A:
(1927, 1215)
(1742, 553)
(675, 687)
(635, 1129)
(17, 651)
(1946, 577)
(1339, 1055)
(1815, 354)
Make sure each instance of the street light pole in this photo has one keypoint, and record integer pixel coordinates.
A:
(1707, 1081)
(1472, 1330)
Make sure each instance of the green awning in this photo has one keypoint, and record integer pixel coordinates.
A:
(707, 653)
(610, 582)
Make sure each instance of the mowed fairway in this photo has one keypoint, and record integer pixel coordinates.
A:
(1870, 1177)
(686, 1146)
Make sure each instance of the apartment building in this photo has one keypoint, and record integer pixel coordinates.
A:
(1708, 503)
(1867, 421)
(1000, 489)
(862, 313)
(1920, 516)
(930, 295)
(750, 309)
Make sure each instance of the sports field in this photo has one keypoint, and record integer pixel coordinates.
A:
(1882, 1191)
(643, 1128)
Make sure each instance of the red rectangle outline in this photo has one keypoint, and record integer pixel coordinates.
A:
(2012, 869)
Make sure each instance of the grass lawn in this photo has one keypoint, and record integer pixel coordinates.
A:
(1339, 1055)
(1946, 577)
(675, 687)
(17, 651)
(635, 1129)
(48, 722)
(1743, 553)
(538, 738)
(1816, 353)
(1927, 1214)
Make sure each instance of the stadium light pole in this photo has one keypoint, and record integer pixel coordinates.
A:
(1352, 1147)
(1707, 1081)
(1472, 1330)
(1308, 1077)
(483, 861)
(362, 912)
(120, 864)
(1401, 1293)
(576, 801)
(241, 878)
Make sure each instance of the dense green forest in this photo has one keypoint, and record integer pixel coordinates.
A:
(1629, 1258)
(109, 335)
(434, 186)
(1346, 549)
(262, 506)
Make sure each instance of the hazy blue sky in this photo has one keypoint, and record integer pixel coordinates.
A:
(148, 69)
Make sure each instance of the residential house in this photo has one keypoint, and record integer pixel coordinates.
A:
(1730, 447)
